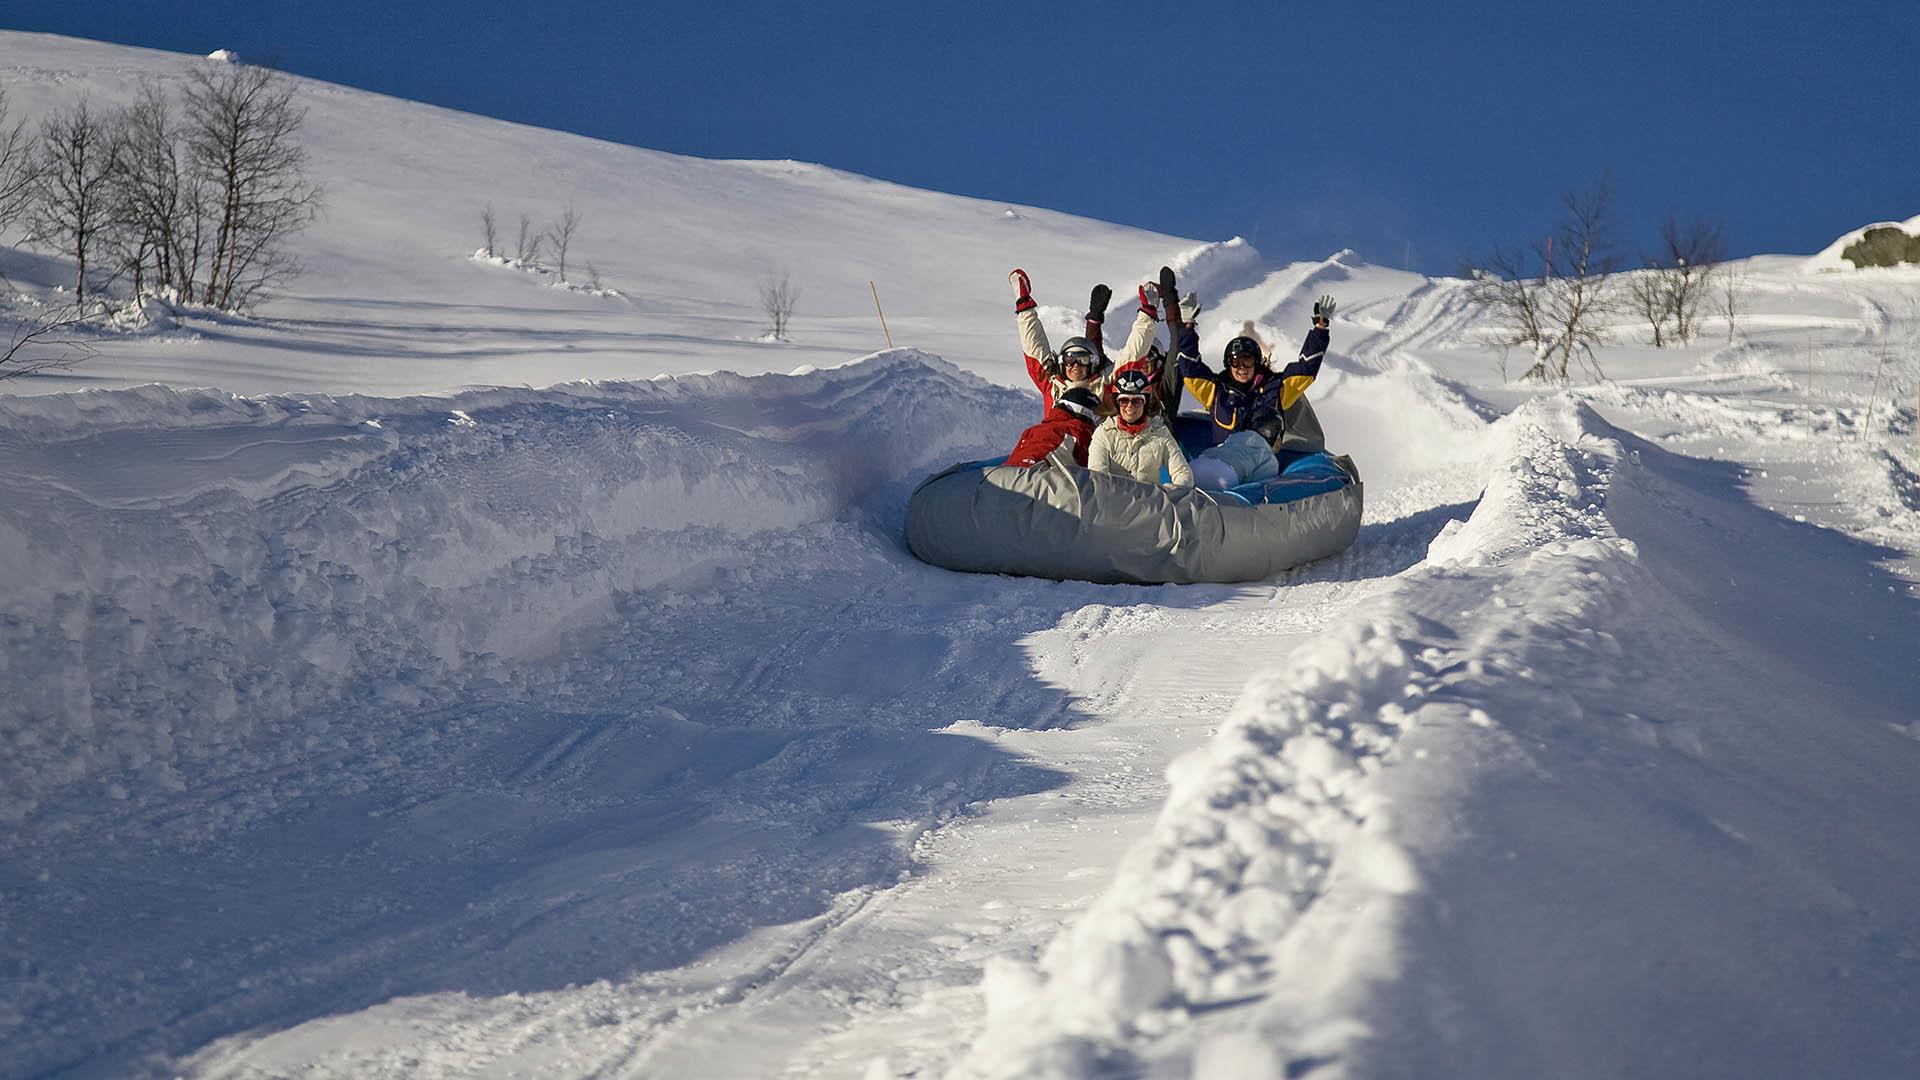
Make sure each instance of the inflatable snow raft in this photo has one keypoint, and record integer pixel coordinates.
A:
(1062, 521)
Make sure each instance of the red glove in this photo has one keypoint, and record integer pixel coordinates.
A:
(1022, 290)
(1150, 300)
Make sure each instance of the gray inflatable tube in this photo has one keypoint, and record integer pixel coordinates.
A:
(1061, 521)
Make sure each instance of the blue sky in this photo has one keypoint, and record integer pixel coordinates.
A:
(1432, 129)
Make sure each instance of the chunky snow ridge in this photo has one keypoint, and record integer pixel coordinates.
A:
(185, 572)
(1558, 640)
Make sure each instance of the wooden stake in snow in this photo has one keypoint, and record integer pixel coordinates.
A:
(1866, 427)
(882, 314)
(1809, 384)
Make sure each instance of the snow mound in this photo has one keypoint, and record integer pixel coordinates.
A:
(1282, 806)
(181, 571)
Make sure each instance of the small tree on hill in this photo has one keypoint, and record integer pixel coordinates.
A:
(777, 298)
(71, 203)
(241, 125)
(161, 208)
(1561, 312)
(527, 247)
(560, 235)
(18, 165)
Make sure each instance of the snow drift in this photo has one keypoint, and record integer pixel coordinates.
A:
(182, 571)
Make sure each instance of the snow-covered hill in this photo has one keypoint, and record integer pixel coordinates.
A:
(369, 726)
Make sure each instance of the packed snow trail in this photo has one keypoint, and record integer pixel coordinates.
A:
(589, 744)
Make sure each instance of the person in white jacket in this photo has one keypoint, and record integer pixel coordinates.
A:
(1135, 442)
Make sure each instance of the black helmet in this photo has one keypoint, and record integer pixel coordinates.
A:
(1130, 383)
(1081, 402)
(1243, 346)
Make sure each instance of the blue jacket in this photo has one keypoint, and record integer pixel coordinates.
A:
(1233, 405)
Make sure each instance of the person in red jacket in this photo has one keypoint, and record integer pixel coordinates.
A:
(1068, 426)
(1081, 361)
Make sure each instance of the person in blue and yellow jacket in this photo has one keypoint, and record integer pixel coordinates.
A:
(1250, 387)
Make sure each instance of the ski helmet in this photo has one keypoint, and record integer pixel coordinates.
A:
(1081, 402)
(1077, 350)
(1130, 383)
(1243, 346)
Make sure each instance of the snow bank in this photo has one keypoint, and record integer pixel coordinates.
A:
(1283, 805)
(182, 571)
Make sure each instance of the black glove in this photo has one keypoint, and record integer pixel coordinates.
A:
(1097, 303)
(1169, 294)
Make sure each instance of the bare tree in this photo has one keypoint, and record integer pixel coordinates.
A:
(70, 204)
(1579, 279)
(777, 298)
(1695, 250)
(241, 126)
(487, 226)
(1732, 296)
(161, 209)
(560, 234)
(43, 343)
(527, 247)
(1648, 297)
(1502, 282)
(18, 163)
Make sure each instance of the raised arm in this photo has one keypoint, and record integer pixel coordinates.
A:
(1294, 379)
(1033, 336)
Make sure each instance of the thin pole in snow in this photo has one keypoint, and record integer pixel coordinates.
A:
(1866, 428)
(882, 314)
(1809, 384)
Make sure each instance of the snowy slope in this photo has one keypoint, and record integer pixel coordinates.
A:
(392, 301)
(607, 729)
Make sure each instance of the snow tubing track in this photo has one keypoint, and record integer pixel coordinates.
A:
(1058, 521)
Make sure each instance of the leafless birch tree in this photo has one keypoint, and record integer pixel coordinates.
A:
(777, 298)
(69, 207)
(241, 124)
(161, 207)
(560, 235)
(18, 162)
(1561, 313)
(527, 247)
(1677, 278)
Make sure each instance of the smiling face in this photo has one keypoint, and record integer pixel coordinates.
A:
(1076, 366)
(1241, 368)
(1132, 407)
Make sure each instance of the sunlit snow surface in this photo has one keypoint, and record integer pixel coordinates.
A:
(607, 729)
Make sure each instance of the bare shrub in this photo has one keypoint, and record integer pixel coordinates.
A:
(777, 298)
(1561, 313)
(560, 235)
(44, 343)
(527, 248)
(489, 230)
